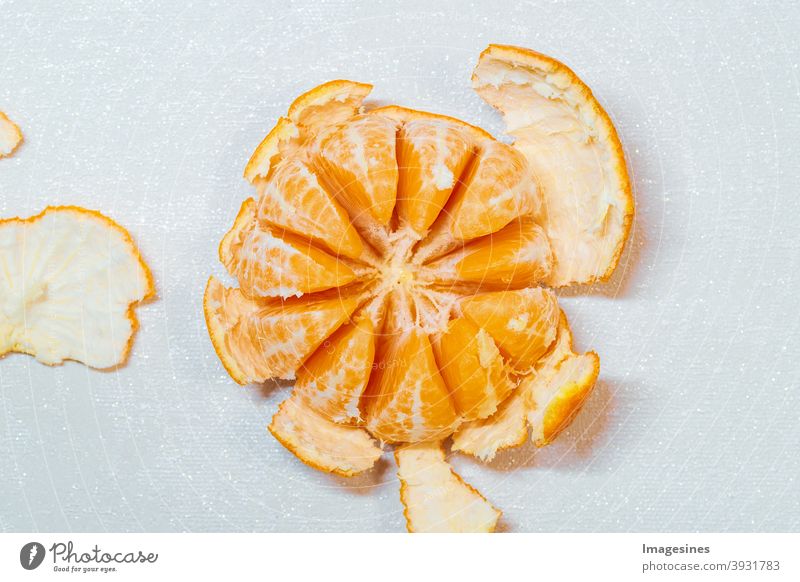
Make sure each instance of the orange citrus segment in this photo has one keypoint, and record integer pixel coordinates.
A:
(407, 400)
(436, 499)
(10, 136)
(261, 339)
(281, 138)
(293, 199)
(523, 323)
(516, 256)
(496, 190)
(473, 369)
(405, 114)
(431, 156)
(573, 150)
(268, 265)
(69, 281)
(508, 427)
(322, 444)
(555, 392)
(359, 161)
(333, 379)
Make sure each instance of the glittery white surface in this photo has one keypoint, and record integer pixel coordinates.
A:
(148, 112)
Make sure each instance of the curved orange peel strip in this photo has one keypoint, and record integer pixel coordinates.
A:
(574, 152)
(69, 281)
(10, 136)
(546, 401)
(321, 443)
(436, 499)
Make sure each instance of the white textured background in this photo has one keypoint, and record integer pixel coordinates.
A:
(148, 112)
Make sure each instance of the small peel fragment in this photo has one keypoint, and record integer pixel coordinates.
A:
(435, 498)
(322, 444)
(546, 401)
(69, 281)
(507, 428)
(573, 150)
(325, 105)
(10, 136)
(561, 384)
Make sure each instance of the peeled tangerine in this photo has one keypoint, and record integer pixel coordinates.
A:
(69, 281)
(391, 263)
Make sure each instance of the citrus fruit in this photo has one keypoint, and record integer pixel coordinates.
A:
(69, 281)
(10, 136)
(396, 264)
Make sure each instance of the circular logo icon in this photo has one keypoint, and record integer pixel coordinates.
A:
(31, 555)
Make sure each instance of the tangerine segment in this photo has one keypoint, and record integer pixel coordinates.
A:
(322, 444)
(293, 199)
(436, 499)
(472, 368)
(508, 427)
(10, 136)
(497, 189)
(431, 156)
(523, 323)
(360, 162)
(516, 256)
(573, 150)
(407, 399)
(555, 392)
(267, 265)
(333, 379)
(259, 339)
(69, 281)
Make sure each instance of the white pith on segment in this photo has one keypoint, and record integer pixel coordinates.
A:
(69, 279)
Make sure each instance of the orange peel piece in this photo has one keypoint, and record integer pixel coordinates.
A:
(325, 105)
(321, 443)
(507, 428)
(574, 152)
(70, 279)
(436, 499)
(10, 136)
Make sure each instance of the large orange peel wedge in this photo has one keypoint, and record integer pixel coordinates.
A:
(545, 402)
(436, 499)
(10, 136)
(321, 443)
(393, 262)
(70, 279)
(557, 123)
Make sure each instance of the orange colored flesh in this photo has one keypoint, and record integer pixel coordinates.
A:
(407, 400)
(333, 379)
(360, 162)
(523, 323)
(431, 157)
(472, 368)
(293, 199)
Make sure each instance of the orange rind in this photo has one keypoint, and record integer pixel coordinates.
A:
(557, 123)
(70, 279)
(10, 136)
(396, 264)
(322, 443)
(435, 498)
